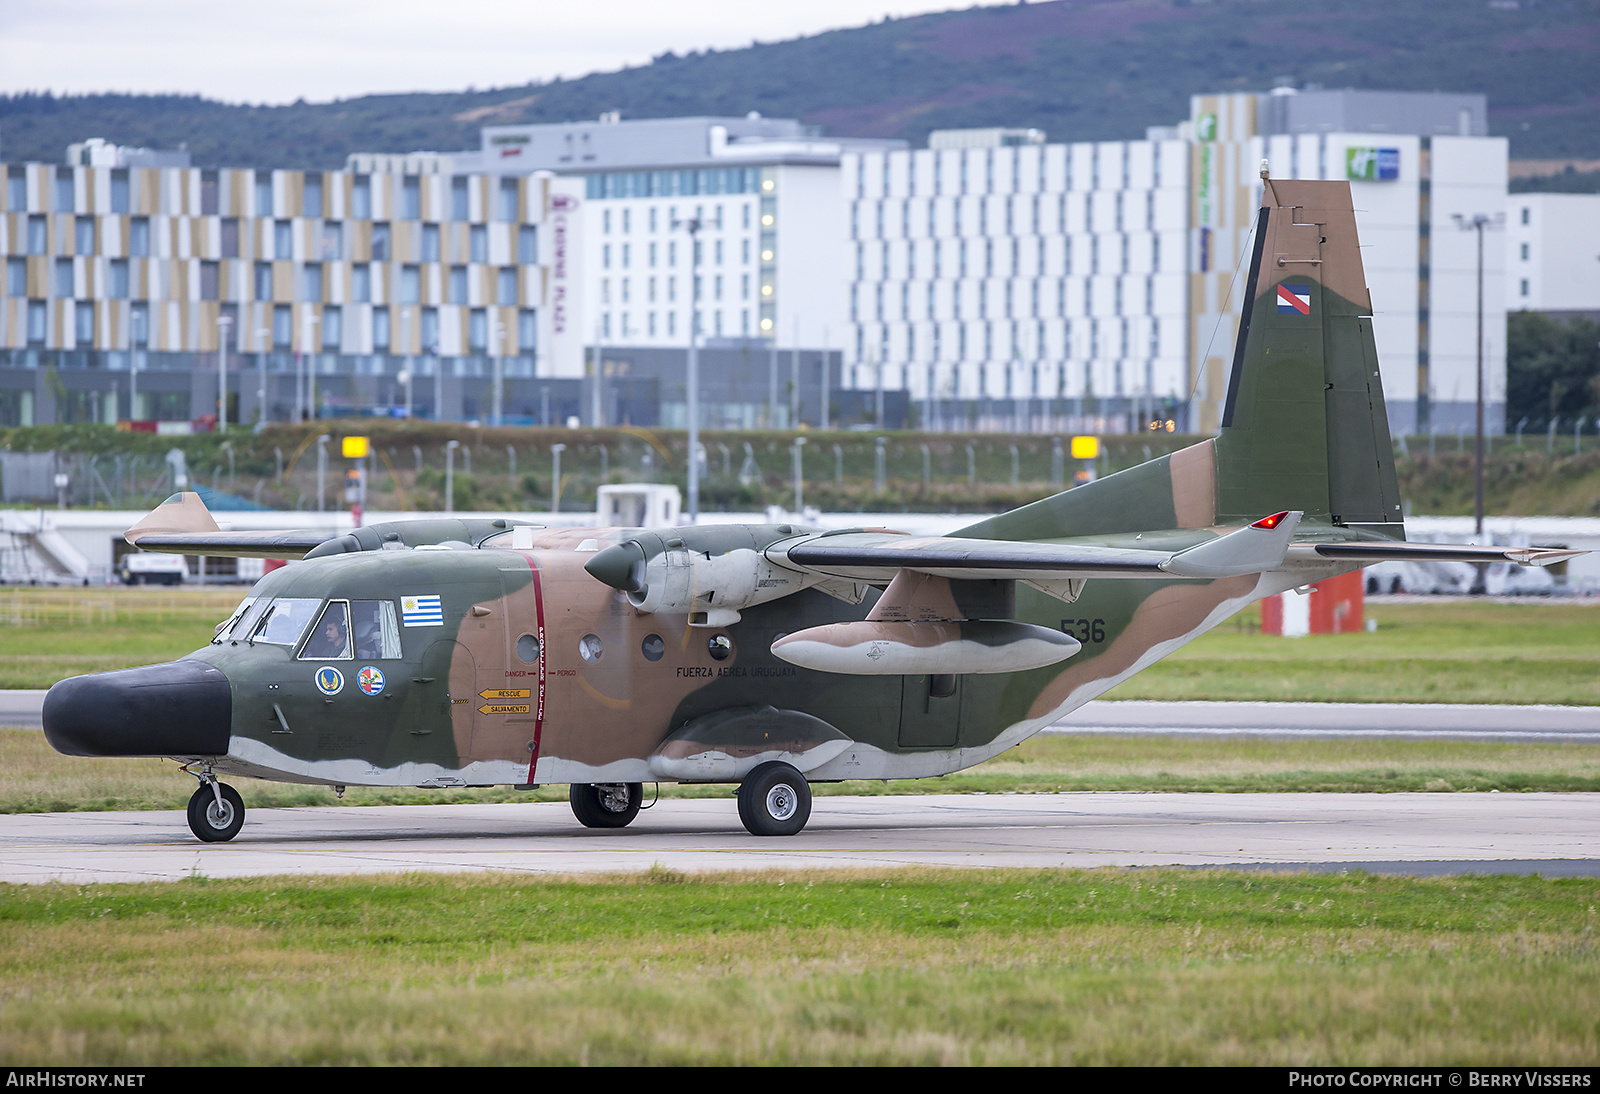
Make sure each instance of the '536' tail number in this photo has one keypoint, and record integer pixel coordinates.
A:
(1085, 630)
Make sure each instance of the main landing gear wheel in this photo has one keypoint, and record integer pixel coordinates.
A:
(212, 821)
(774, 800)
(606, 805)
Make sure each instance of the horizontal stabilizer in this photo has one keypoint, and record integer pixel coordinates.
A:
(1366, 553)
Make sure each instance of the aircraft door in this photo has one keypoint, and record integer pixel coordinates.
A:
(930, 710)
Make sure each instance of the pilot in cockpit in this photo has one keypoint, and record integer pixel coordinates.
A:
(331, 639)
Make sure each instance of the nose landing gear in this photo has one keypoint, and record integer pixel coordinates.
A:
(216, 812)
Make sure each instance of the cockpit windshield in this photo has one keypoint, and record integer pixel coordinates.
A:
(226, 626)
(286, 620)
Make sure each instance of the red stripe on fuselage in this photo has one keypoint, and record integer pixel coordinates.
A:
(538, 710)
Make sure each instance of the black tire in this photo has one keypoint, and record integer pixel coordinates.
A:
(774, 800)
(213, 825)
(595, 808)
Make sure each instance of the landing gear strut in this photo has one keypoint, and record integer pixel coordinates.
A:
(216, 812)
(774, 800)
(606, 805)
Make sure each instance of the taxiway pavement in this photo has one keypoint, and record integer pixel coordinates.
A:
(1413, 833)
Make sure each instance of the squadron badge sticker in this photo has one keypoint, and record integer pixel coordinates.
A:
(330, 681)
(371, 680)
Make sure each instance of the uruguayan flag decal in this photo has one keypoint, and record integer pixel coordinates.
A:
(1294, 298)
(421, 611)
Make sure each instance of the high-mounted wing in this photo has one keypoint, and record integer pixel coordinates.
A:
(182, 525)
(878, 556)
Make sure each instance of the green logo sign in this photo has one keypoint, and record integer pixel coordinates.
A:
(1205, 127)
(1371, 164)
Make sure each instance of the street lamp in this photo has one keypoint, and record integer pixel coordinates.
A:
(1478, 222)
(322, 468)
(137, 335)
(693, 226)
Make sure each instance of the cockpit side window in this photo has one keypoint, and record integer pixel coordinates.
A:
(330, 638)
(285, 620)
(376, 629)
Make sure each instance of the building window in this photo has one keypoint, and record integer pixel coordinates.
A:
(478, 330)
(361, 283)
(528, 246)
(282, 326)
(36, 322)
(63, 277)
(313, 196)
(138, 237)
(458, 198)
(527, 331)
(430, 243)
(208, 193)
(1524, 252)
(208, 281)
(332, 328)
(605, 257)
(282, 239)
(83, 236)
(508, 200)
(230, 237)
(411, 198)
(17, 276)
(380, 329)
(263, 272)
(64, 188)
(508, 286)
(430, 329)
(83, 322)
(311, 282)
(16, 189)
(380, 241)
(1524, 287)
(458, 285)
(361, 197)
(478, 243)
(332, 248)
(263, 193)
(1527, 213)
(119, 190)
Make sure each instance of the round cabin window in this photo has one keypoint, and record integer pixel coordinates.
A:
(721, 647)
(528, 649)
(590, 647)
(653, 647)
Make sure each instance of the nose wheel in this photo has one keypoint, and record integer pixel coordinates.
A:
(774, 800)
(216, 812)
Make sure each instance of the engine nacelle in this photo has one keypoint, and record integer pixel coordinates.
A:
(709, 574)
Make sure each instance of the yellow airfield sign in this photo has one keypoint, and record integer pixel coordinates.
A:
(504, 693)
(503, 708)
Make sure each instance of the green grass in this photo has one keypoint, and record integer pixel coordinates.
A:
(35, 779)
(1454, 651)
(908, 967)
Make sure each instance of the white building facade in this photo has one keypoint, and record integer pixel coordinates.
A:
(1013, 284)
(1553, 254)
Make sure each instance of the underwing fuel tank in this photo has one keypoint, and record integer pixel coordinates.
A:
(908, 648)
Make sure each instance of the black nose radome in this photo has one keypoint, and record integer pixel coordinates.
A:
(182, 708)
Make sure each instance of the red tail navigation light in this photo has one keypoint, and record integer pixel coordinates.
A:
(1269, 523)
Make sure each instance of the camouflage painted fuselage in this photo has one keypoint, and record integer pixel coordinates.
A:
(538, 673)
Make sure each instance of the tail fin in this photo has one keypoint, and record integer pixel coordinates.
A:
(1304, 427)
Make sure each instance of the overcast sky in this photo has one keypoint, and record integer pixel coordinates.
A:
(277, 51)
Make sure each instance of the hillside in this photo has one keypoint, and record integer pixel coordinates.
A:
(1080, 70)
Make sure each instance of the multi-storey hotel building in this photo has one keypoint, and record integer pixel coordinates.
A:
(321, 292)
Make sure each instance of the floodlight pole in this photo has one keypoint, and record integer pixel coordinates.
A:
(1478, 222)
(693, 226)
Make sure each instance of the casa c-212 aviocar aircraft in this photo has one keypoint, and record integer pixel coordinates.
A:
(450, 653)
